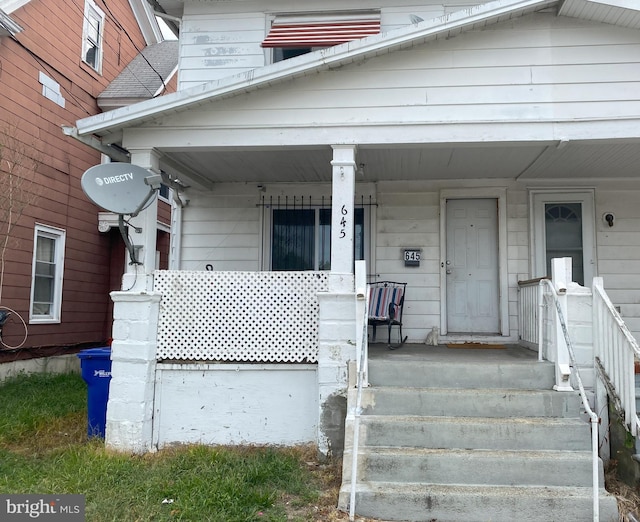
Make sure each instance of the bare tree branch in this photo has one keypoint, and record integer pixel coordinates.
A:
(19, 163)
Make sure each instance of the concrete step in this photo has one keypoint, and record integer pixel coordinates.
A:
(460, 503)
(479, 467)
(462, 441)
(465, 402)
(533, 433)
(527, 375)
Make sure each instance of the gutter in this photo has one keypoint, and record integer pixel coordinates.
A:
(116, 154)
(7, 26)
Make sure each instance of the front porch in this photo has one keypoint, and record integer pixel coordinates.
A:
(198, 360)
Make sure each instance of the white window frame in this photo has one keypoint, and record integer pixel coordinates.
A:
(92, 12)
(59, 236)
(538, 200)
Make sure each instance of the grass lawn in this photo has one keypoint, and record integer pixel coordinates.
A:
(44, 449)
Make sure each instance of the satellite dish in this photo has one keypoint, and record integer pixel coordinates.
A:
(121, 188)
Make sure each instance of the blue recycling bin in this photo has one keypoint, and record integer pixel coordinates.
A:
(95, 364)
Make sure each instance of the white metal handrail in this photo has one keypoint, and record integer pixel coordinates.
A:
(528, 310)
(594, 419)
(616, 351)
(362, 295)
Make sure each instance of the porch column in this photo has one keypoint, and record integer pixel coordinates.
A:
(342, 211)
(135, 328)
(337, 329)
(561, 277)
(143, 232)
(133, 368)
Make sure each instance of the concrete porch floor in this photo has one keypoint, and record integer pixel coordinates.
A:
(443, 353)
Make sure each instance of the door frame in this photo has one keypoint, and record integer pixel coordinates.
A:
(537, 200)
(499, 194)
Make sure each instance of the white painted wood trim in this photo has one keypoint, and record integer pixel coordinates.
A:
(499, 193)
(585, 196)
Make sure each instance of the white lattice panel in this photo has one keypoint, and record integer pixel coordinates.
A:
(239, 316)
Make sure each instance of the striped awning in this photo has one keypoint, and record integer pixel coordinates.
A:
(319, 34)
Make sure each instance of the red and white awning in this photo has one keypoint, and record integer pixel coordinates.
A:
(319, 34)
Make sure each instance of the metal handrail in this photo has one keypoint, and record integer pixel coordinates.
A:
(361, 383)
(594, 419)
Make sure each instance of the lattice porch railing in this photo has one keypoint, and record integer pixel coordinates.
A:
(239, 316)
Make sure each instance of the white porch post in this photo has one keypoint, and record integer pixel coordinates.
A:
(342, 218)
(140, 277)
(337, 329)
(135, 325)
(561, 277)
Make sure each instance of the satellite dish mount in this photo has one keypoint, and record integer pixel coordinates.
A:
(124, 189)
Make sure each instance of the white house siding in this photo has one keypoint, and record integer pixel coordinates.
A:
(224, 40)
(407, 215)
(221, 229)
(619, 249)
(214, 45)
(537, 69)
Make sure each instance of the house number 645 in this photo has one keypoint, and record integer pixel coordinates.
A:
(343, 222)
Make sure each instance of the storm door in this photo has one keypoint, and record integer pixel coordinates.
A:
(563, 227)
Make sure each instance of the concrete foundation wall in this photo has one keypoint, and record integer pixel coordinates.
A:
(55, 365)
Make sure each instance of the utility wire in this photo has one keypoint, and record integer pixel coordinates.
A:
(46, 65)
(119, 25)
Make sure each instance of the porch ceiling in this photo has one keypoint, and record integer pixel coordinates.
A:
(551, 160)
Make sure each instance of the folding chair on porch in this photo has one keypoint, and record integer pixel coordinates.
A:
(386, 301)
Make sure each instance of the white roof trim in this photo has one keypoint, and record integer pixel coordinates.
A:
(9, 6)
(324, 59)
(146, 21)
(7, 25)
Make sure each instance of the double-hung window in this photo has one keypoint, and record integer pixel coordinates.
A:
(92, 35)
(291, 36)
(46, 275)
(301, 238)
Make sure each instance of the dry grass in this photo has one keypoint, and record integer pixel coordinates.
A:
(329, 476)
(628, 497)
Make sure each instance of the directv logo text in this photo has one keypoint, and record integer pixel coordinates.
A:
(115, 179)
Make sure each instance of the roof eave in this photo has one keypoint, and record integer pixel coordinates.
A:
(332, 57)
(146, 21)
(8, 27)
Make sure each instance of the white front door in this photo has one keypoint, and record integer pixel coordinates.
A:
(471, 266)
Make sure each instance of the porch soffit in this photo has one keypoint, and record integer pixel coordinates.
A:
(624, 13)
(506, 161)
